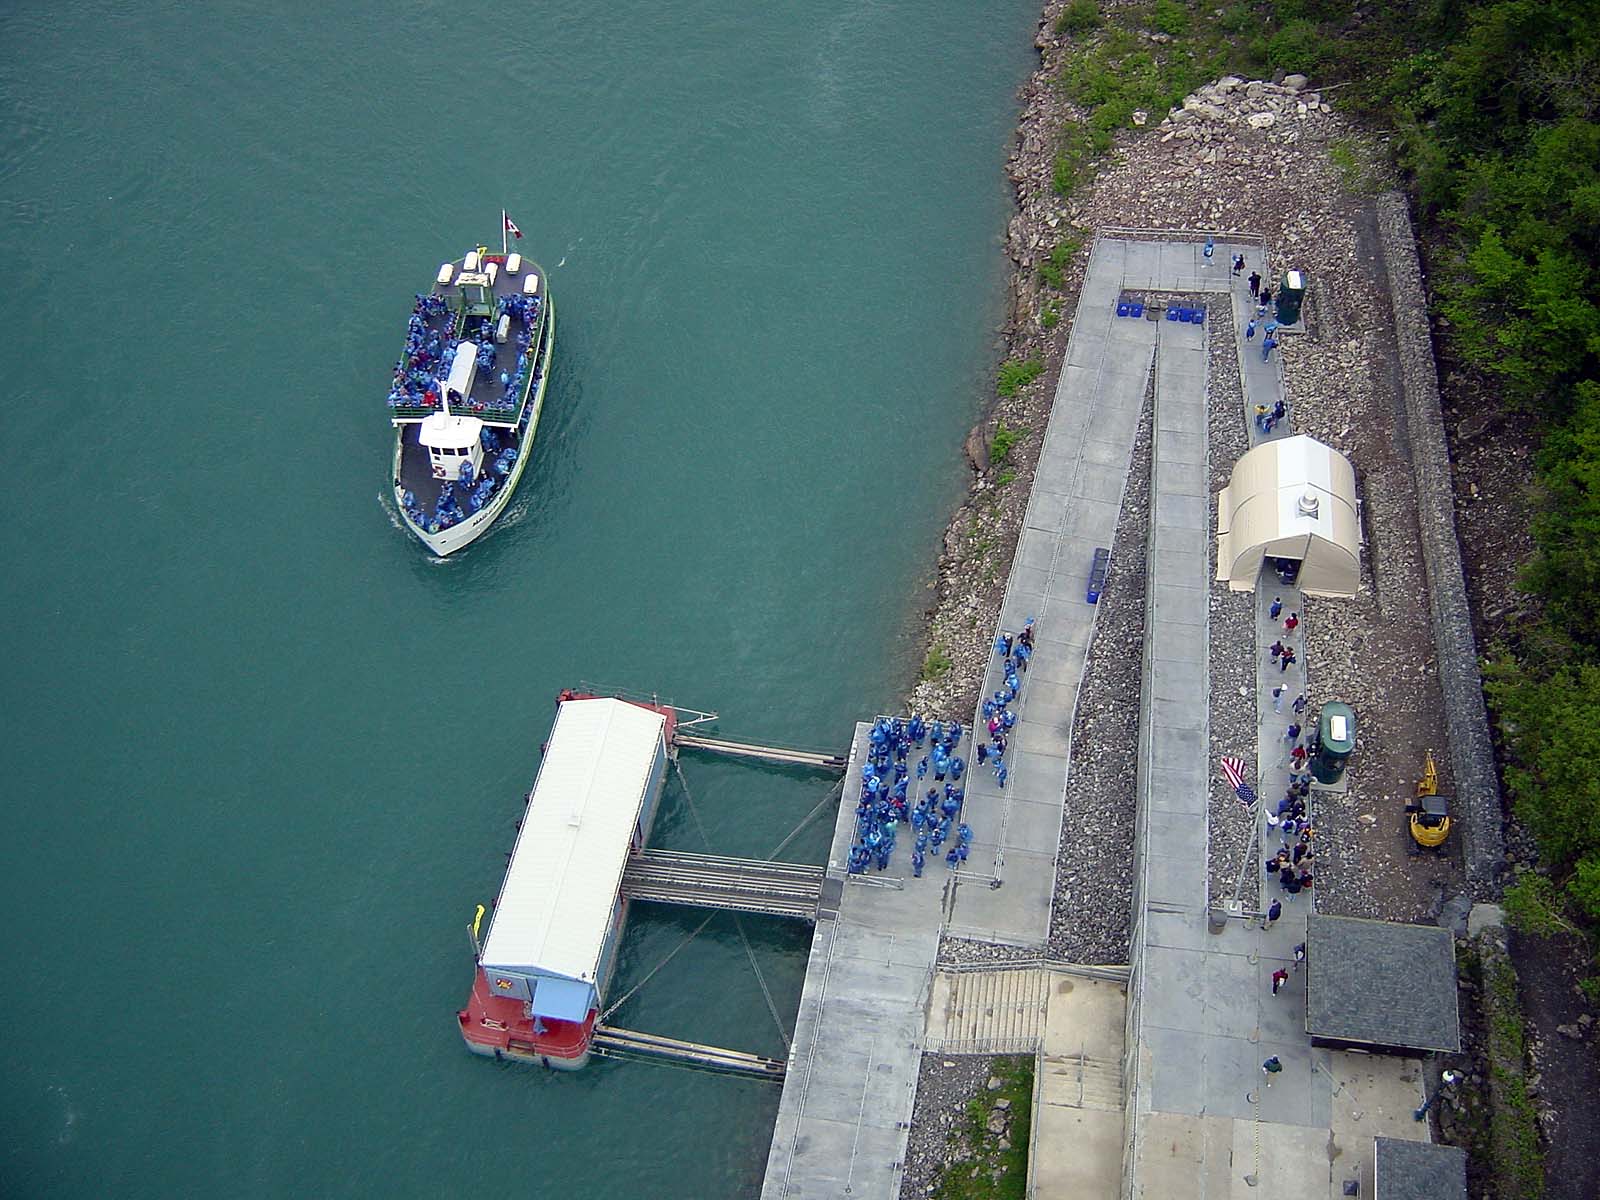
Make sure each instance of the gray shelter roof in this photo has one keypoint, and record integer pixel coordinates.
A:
(1405, 1170)
(1381, 984)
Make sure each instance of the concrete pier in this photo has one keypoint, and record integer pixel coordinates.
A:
(1195, 1116)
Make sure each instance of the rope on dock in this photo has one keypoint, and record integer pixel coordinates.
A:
(629, 994)
(737, 920)
(833, 792)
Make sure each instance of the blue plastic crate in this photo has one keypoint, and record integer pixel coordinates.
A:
(1098, 570)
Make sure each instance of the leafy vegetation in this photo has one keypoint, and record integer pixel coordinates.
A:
(1004, 439)
(1017, 373)
(1494, 105)
(937, 664)
(1533, 905)
(1514, 1122)
(993, 1173)
(1123, 71)
(1078, 17)
(1004, 478)
(1053, 270)
(1050, 314)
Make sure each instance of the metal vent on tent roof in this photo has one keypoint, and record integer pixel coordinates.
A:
(1308, 504)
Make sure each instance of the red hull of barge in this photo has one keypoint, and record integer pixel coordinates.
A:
(495, 1027)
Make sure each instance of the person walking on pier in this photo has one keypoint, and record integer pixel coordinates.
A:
(1238, 264)
(1277, 698)
(1271, 1067)
(1292, 733)
(1279, 978)
(1267, 347)
(1255, 284)
(1250, 331)
(1276, 651)
(1275, 608)
(1299, 704)
(1273, 913)
(1291, 622)
(1288, 659)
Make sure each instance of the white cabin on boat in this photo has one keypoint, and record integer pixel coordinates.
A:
(451, 441)
(553, 939)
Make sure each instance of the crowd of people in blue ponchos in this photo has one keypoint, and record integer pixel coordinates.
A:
(466, 494)
(429, 352)
(887, 776)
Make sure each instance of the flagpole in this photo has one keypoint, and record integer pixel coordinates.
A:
(505, 247)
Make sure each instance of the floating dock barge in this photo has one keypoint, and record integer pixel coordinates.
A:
(579, 861)
(552, 945)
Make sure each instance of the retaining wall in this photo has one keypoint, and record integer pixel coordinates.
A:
(1477, 792)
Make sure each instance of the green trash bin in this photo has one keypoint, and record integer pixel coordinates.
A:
(1336, 742)
(1291, 294)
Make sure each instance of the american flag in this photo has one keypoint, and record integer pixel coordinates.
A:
(1233, 768)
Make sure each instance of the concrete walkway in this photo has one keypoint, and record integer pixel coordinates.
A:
(1200, 1120)
(1076, 1146)
(1204, 1120)
(1006, 892)
(845, 1112)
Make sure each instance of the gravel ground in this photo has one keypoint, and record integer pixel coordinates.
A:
(944, 1086)
(1093, 903)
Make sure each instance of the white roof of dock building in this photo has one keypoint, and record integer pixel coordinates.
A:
(555, 907)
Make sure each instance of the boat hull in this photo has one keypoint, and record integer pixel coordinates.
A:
(448, 541)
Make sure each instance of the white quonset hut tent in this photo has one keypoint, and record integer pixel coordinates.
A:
(558, 915)
(1292, 499)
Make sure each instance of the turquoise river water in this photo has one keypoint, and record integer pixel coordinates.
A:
(262, 755)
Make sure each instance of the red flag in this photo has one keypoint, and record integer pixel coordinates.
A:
(511, 228)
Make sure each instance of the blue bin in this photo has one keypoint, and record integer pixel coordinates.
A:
(1172, 312)
(1122, 309)
(1136, 309)
(1198, 317)
(1099, 567)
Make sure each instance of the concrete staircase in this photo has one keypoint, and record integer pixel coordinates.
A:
(988, 1012)
(1080, 1081)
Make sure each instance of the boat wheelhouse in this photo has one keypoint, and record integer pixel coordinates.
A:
(543, 969)
(467, 393)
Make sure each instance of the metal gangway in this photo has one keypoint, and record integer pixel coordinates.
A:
(611, 1042)
(821, 759)
(751, 885)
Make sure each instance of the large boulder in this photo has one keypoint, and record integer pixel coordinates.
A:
(1295, 82)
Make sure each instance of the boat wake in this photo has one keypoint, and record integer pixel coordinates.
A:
(386, 502)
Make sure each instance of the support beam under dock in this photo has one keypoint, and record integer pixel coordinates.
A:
(778, 754)
(611, 1042)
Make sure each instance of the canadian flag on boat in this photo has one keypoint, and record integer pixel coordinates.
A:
(511, 227)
